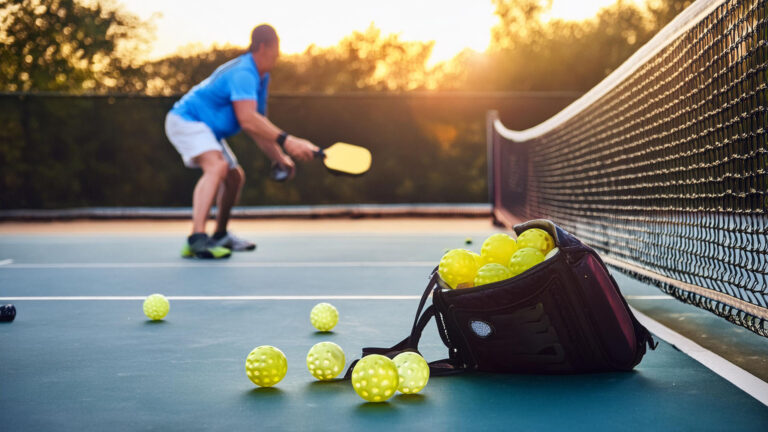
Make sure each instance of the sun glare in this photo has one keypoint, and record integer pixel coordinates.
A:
(454, 25)
(578, 10)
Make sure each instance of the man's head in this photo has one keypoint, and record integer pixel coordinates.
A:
(265, 47)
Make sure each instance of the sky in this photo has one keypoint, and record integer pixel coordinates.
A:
(453, 24)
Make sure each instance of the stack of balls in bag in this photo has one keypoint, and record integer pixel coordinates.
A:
(501, 257)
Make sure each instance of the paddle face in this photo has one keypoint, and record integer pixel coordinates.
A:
(346, 158)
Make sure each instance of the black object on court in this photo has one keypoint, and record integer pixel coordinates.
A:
(7, 313)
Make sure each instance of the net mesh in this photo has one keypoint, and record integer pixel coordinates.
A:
(665, 173)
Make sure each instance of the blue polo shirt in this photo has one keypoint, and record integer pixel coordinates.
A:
(211, 100)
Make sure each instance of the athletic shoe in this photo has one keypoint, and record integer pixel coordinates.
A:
(197, 247)
(232, 242)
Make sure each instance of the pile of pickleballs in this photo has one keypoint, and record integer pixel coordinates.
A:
(501, 257)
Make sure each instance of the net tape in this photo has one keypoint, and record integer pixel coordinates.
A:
(665, 173)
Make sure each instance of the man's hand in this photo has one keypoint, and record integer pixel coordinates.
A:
(300, 148)
(286, 162)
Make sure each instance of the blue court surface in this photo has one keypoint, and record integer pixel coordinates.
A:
(81, 355)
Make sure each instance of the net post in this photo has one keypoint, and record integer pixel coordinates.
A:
(490, 118)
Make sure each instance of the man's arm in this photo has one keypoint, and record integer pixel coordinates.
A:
(265, 133)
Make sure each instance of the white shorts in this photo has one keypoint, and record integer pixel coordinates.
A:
(193, 138)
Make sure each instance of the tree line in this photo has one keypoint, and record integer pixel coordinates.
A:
(75, 46)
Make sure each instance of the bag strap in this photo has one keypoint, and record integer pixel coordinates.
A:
(411, 343)
(424, 296)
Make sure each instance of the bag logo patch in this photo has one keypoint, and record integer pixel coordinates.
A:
(481, 328)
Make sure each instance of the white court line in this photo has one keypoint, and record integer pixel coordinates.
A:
(216, 298)
(328, 264)
(224, 298)
(649, 297)
(737, 376)
(6, 262)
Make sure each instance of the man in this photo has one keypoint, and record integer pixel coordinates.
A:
(234, 97)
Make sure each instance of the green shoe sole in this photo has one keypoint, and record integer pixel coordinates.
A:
(215, 252)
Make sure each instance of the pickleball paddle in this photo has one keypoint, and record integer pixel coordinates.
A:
(339, 158)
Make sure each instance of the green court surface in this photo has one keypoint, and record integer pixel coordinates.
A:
(82, 356)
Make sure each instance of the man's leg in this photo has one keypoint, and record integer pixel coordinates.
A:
(198, 147)
(215, 170)
(229, 195)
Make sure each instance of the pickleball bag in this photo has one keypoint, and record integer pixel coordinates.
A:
(563, 316)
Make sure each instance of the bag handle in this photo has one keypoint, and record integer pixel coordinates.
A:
(411, 342)
(424, 296)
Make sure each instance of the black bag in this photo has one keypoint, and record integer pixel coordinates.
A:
(565, 315)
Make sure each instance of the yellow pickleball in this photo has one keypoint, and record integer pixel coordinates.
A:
(375, 378)
(524, 259)
(492, 272)
(325, 360)
(324, 316)
(498, 248)
(413, 372)
(536, 238)
(266, 366)
(458, 268)
(156, 307)
(479, 261)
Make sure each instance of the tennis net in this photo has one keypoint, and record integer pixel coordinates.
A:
(663, 166)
